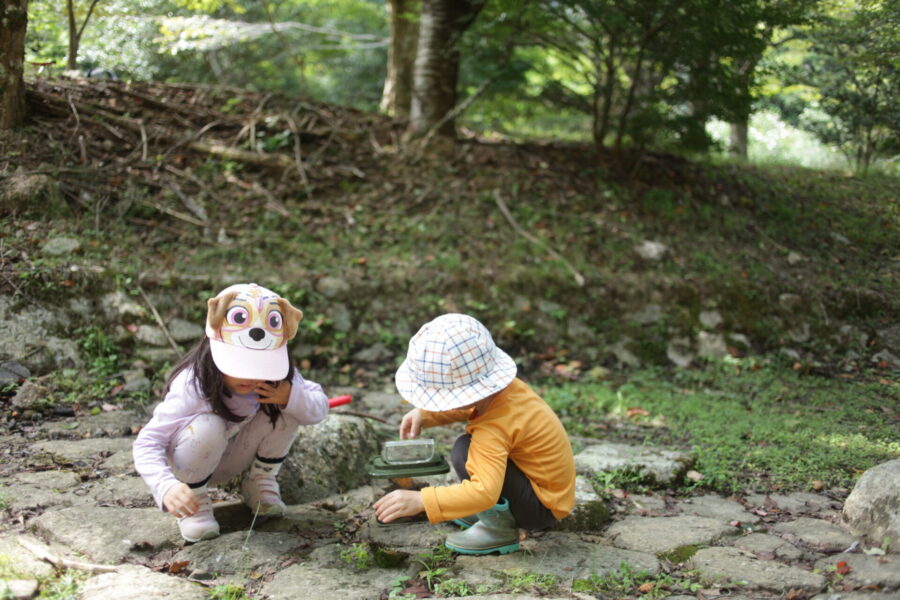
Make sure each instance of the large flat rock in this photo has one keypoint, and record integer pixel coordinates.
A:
(731, 565)
(815, 534)
(109, 534)
(664, 534)
(239, 552)
(766, 546)
(41, 489)
(716, 507)
(797, 503)
(140, 583)
(880, 571)
(660, 464)
(308, 580)
(112, 454)
(16, 560)
(563, 555)
(413, 537)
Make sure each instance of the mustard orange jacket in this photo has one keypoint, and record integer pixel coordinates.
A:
(519, 426)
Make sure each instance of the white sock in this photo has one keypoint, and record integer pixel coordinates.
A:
(261, 467)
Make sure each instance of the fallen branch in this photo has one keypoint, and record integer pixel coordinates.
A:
(159, 321)
(579, 278)
(352, 413)
(279, 161)
(64, 562)
(174, 213)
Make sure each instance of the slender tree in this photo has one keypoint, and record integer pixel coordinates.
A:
(76, 31)
(13, 24)
(442, 23)
(398, 84)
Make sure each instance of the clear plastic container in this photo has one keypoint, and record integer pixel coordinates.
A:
(408, 452)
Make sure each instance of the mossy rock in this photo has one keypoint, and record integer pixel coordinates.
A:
(589, 516)
(388, 558)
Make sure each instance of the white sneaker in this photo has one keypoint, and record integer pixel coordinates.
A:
(262, 495)
(202, 524)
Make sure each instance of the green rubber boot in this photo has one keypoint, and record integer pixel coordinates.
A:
(495, 531)
(466, 522)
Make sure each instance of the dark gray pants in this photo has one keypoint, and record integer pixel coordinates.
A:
(523, 503)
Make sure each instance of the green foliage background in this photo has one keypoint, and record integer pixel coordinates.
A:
(827, 67)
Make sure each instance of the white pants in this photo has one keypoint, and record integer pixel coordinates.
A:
(206, 446)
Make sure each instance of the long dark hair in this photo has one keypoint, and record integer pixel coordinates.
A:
(211, 383)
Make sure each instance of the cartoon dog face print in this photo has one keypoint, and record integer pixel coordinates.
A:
(253, 318)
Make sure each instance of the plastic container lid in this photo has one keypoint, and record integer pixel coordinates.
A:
(408, 452)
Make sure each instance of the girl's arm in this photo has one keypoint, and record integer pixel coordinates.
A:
(307, 402)
(181, 404)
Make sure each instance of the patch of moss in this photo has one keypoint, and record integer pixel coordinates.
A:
(388, 558)
(589, 516)
(679, 555)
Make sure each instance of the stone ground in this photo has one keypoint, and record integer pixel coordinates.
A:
(68, 490)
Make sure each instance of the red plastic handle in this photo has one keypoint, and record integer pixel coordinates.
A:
(339, 401)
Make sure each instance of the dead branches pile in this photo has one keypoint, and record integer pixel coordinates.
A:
(188, 146)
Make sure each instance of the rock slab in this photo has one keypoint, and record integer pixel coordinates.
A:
(872, 510)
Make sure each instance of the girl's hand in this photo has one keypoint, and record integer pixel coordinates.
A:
(274, 392)
(399, 503)
(411, 424)
(180, 501)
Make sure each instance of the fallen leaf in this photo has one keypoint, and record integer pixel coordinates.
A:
(646, 588)
(178, 566)
(795, 594)
(842, 568)
(634, 412)
(818, 485)
(873, 551)
(694, 475)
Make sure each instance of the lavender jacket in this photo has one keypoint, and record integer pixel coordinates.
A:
(308, 404)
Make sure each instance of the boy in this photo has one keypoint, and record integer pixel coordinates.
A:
(515, 461)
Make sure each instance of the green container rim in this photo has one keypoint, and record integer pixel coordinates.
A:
(377, 467)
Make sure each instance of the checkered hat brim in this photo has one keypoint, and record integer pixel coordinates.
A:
(452, 362)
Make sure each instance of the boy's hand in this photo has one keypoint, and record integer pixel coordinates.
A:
(411, 424)
(278, 392)
(180, 501)
(399, 503)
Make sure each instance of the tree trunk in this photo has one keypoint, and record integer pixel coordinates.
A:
(398, 84)
(441, 25)
(13, 24)
(739, 143)
(739, 139)
(72, 59)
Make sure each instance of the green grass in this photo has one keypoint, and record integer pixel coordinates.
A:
(227, 591)
(628, 582)
(751, 425)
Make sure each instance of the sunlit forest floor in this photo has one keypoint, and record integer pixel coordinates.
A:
(177, 190)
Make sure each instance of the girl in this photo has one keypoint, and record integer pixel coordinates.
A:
(234, 401)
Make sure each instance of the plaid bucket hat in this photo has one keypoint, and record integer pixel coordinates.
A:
(451, 362)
